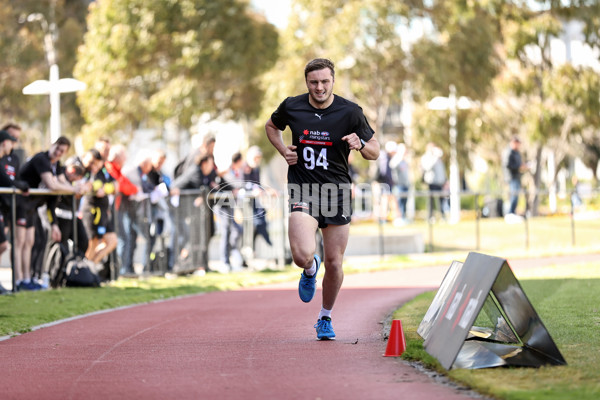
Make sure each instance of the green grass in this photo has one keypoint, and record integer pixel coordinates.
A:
(568, 302)
(541, 236)
(21, 312)
(567, 299)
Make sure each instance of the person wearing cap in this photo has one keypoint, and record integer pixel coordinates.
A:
(513, 170)
(7, 179)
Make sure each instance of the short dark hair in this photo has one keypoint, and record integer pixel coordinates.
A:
(11, 125)
(236, 157)
(203, 158)
(62, 141)
(318, 64)
(95, 154)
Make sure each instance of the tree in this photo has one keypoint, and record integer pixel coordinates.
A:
(146, 62)
(23, 60)
(553, 114)
(460, 50)
(360, 37)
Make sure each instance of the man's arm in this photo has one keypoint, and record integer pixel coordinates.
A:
(370, 150)
(276, 139)
(52, 183)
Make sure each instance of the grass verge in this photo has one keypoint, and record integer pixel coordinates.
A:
(568, 302)
(21, 312)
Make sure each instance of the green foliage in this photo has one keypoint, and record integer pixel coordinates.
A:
(363, 40)
(462, 53)
(568, 308)
(149, 61)
(23, 60)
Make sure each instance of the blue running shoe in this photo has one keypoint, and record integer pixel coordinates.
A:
(31, 286)
(307, 287)
(324, 329)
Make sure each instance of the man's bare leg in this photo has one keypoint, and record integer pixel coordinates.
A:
(335, 239)
(301, 233)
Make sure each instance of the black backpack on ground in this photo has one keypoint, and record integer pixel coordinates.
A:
(69, 268)
(80, 272)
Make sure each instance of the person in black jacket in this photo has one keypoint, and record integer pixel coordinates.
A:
(7, 180)
(514, 167)
(73, 171)
(40, 171)
(202, 175)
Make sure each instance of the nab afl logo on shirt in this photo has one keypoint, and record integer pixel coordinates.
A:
(313, 134)
(315, 138)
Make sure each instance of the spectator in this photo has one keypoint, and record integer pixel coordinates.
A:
(103, 146)
(434, 175)
(190, 161)
(401, 170)
(230, 231)
(7, 179)
(160, 217)
(117, 157)
(39, 171)
(386, 179)
(73, 171)
(16, 155)
(203, 176)
(252, 185)
(513, 170)
(96, 210)
(136, 211)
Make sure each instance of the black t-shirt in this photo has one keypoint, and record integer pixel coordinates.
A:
(102, 179)
(64, 201)
(317, 133)
(9, 167)
(31, 171)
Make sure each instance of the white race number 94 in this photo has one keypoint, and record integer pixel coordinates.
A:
(310, 162)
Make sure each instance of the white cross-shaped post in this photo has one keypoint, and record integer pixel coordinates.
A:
(54, 87)
(452, 104)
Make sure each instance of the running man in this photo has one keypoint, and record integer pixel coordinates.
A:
(325, 128)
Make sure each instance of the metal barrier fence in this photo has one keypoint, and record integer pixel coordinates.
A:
(182, 239)
(475, 207)
(13, 192)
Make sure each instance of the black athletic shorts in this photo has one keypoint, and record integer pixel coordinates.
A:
(98, 222)
(327, 203)
(27, 210)
(3, 237)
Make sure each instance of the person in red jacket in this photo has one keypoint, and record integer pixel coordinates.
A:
(114, 164)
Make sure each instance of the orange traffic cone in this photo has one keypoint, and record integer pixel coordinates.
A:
(396, 342)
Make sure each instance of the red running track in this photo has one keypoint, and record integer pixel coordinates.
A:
(246, 344)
